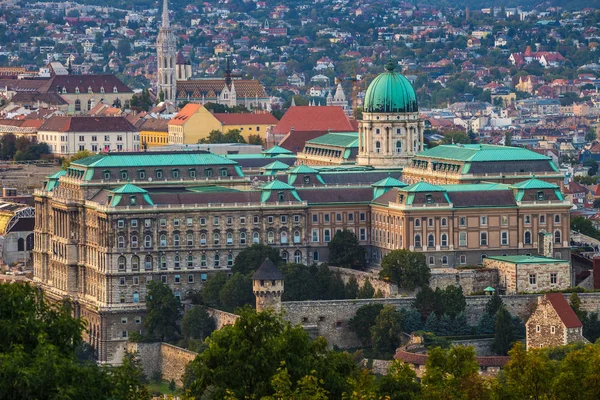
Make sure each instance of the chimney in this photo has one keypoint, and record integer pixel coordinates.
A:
(545, 245)
(596, 272)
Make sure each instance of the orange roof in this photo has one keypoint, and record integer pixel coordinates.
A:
(185, 113)
(246, 119)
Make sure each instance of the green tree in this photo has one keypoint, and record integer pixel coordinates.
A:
(444, 327)
(366, 291)
(505, 335)
(352, 288)
(590, 136)
(400, 383)
(244, 358)
(255, 139)
(249, 259)
(453, 300)
(363, 320)
(197, 324)
(405, 268)
(486, 325)
(456, 137)
(309, 387)
(236, 292)
(162, 312)
(431, 323)
(234, 136)
(8, 146)
(387, 331)
(345, 251)
(427, 301)
(124, 47)
(78, 156)
(411, 320)
(494, 304)
(128, 379)
(212, 288)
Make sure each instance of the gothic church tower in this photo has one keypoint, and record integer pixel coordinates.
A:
(166, 52)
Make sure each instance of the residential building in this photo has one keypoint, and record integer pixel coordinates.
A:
(154, 132)
(553, 323)
(185, 127)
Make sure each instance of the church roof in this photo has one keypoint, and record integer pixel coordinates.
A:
(244, 88)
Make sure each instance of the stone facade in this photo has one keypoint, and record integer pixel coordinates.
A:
(163, 358)
(470, 280)
(388, 289)
(166, 53)
(553, 323)
(222, 318)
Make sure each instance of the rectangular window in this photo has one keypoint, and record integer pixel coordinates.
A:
(325, 217)
(202, 221)
(462, 239)
(553, 278)
(121, 223)
(315, 235)
(123, 320)
(243, 220)
(283, 219)
(215, 220)
(462, 221)
(315, 218)
(203, 277)
(338, 217)
(363, 234)
(483, 239)
(138, 320)
(136, 280)
(190, 278)
(483, 220)
(504, 238)
(350, 216)
(94, 138)
(532, 279)
(528, 219)
(326, 235)
(189, 221)
(256, 219)
(504, 220)
(122, 281)
(270, 219)
(177, 279)
(163, 278)
(106, 138)
(363, 216)
(229, 220)
(176, 222)
(163, 222)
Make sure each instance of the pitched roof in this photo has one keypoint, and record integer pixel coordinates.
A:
(423, 187)
(86, 123)
(564, 310)
(196, 88)
(185, 113)
(337, 139)
(482, 153)
(320, 118)
(534, 184)
(164, 159)
(268, 272)
(276, 165)
(296, 140)
(129, 188)
(389, 182)
(246, 118)
(155, 125)
(277, 185)
(276, 150)
(303, 169)
(96, 82)
(527, 259)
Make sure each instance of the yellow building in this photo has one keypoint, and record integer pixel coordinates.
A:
(194, 122)
(154, 132)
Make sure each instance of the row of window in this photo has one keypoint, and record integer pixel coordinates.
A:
(327, 234)
(178, 262)
(135, 280)
(483, 220)
(158, 173)
(216, 239)
(189, 221)
(483, 239)
(339, 217)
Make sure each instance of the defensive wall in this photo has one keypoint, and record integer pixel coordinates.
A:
(221, 318)
(329, 318)
(163, 358)
(388, 289)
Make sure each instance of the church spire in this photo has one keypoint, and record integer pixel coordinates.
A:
(165, 15)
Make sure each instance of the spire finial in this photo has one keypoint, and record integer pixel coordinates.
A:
(165, 14)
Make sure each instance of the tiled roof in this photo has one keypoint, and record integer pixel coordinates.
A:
(185, 113)
(389, 182)
(87, 123)
(164, 159)
(320, 118)
(337, 139)
(534, 184)
(423, 187)
(196, 88)
(155, 125)
(481, 153)
(491, 198)
(276, 165)
(267, 271)
(564, 310)
(96, 82)
(246, 118)
(296, 140)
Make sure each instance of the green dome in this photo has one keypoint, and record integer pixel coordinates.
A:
(390, 92)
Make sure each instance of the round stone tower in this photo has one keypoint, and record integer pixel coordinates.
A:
(267, 285)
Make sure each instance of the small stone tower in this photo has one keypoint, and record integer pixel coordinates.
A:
(267, 285)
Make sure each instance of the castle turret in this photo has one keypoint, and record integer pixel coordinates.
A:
(267, 285)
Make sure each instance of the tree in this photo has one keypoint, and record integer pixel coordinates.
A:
(366, 291)
(244, 358)
(128, 379)
(411, 320)
(124, 47)
(78, 156)
(249, 259)
(236, 292)
(494, 304)
(162, 312)
(387, 331)
(431, 323)
(309, 387)
(460, 325)
(507, 139)
(444, 327)
(528, 375)
(405, 268)
(8, 146)
(505, 335)
(486, 325)
(212, 289)
(400, 383)
(255, 139)
(363, 320)
(352, 288)
(590, 136)
(197, 324)
(453, 300)
(456, 137)
(345, 251)
(428, 301)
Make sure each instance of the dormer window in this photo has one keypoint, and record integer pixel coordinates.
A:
(428, 199)
(306, 179)
(540, 196)
(132, 200)
(77, 89)
(106, 174)
(124, 174)
(115, 89)
(64, 90)
(280, 196)
(89, 89)
(101, 89)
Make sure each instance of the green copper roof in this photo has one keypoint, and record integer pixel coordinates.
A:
(475, 187)
(277, 185)
(129, 188)
(389, 182)
(527, 259)
(481, 153)
(53, 180)
(151, 159)
(489, 289)
(390, 92)
(336, 139)
(211, 189)
(534, 184)
(277, 165)
(276, 150)
(302, 169)
(57, 174)
(423, 187)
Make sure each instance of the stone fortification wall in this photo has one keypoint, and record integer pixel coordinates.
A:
(222, 318)
(388, 289)
(330, 318)
(168, 360)
(471, 280)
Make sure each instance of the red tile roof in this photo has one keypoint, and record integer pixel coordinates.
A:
(246, 118)
(87, 124)
(319, 118)
(294, 141)
(564, 310)
(185, 113)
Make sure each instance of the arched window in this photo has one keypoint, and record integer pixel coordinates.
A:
(229, 238)
(296, 236)
(136, 297)
(417, 222)
(430, 240)
(77, 105)
(176, 240)
(163, 262)
(121, 242)
(483, 257)
(417, 240)
(398, 146)
(431, 260)
(255, 237)
(89, 105)
(444, 260)
(21, 244)
(190, 261)
(284, 256)
(557, 237)
(147, 241)
(271, 237)
(190, 239)
(377, 147)
(135, 263)
(242, 238)
(216, 238)
(163, 240)
(122, 263)
(217, 260)
(527, 238)
(297, 257)
(148, 263)
(557, 219)
(134, 241)
(284, 237)
(203, 239)
(542, 219)
(229, 260)
(444, 222)
(203, 260)
(444, 240)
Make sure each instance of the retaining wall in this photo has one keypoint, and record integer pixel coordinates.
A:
(222, 318)
(168, 360)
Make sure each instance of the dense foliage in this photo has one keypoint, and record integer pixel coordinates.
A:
(345, 251)
(405, 268)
